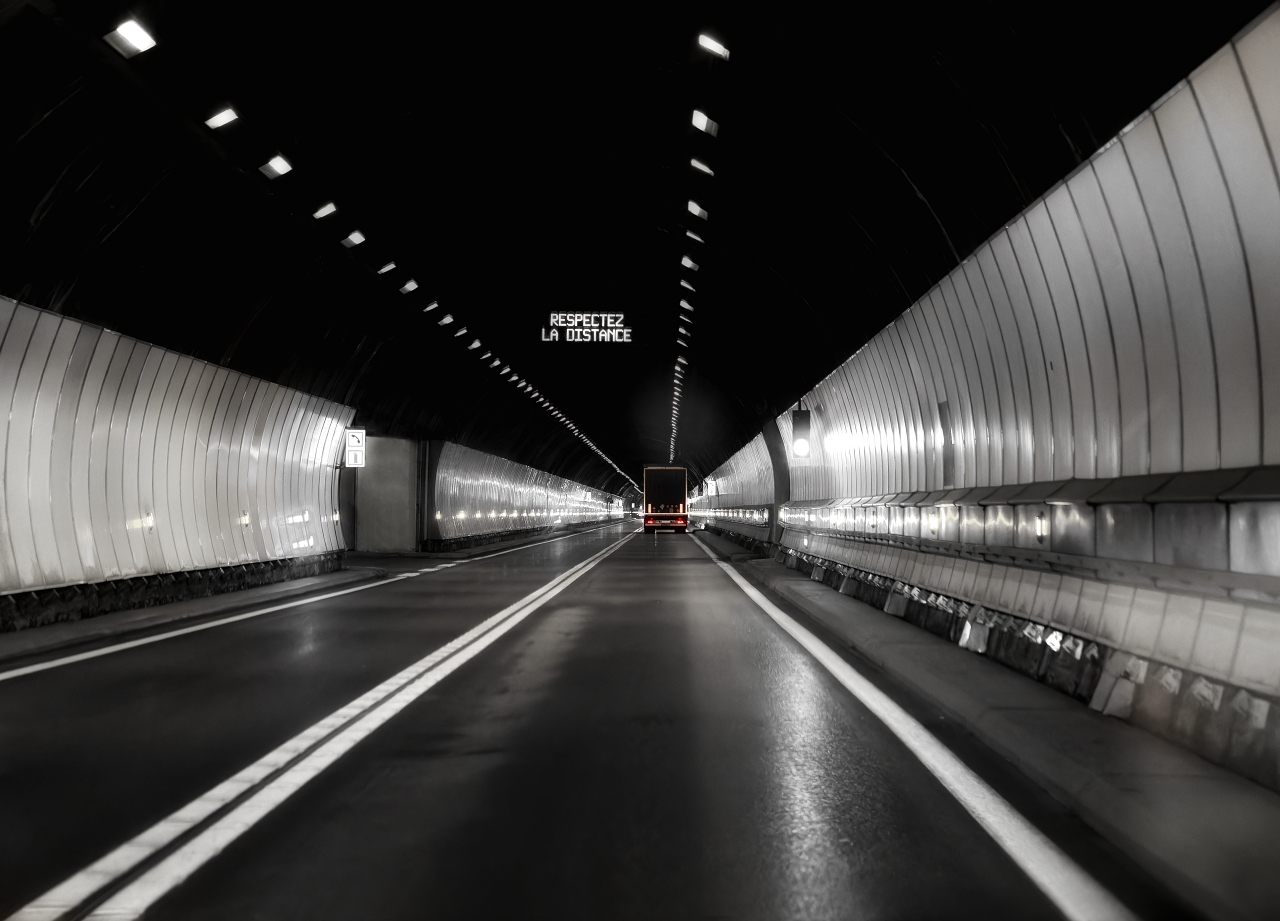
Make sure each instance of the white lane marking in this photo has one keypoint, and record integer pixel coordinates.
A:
(1076, 894)
(222, 621)
(351, 724)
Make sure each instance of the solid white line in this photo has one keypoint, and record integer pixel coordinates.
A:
(1076, 894)
(351, 724)
(257, 612)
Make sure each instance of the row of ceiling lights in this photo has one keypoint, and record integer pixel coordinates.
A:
(684, 327)
(131, 38)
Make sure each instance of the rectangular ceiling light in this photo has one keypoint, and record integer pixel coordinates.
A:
(430, 307)
(699, 165)
(474, 345)
(461, 332)
(713, 46)
(685, 284)
(696, 210)
(130, 39)
(693, 236)
(702, 123)
(386, 268)
(685, 304)
(276, 167)
(325, 210)
(446, 320)
(355, 238)
(688, 263)
(225, 117)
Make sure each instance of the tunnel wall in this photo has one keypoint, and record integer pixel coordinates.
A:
(472, 494)
(126, 460)
(740, 496)
(1072, 442)
(1125, 324)
(386, 501)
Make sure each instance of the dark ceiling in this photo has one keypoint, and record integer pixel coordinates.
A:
(524, 160)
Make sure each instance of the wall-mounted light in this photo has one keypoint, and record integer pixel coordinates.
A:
(800, 433)
(1042, 527)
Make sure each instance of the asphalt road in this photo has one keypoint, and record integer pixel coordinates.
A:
(646, 744)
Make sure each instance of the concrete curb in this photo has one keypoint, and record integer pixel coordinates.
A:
(1210, 835)
(38, 641)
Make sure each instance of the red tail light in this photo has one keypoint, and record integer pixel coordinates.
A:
(679, 521)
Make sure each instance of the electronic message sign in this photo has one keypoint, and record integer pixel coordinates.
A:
(587, 327)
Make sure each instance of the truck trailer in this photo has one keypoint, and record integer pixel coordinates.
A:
(666, 499)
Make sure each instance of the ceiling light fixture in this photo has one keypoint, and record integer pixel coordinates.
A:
(445, 320)
(355, 238)
(685, 304)
(430, 307)
(276, 167)
(693, 236)
(699, 165)
(386, 268)
(696, 210)
(702, 123)
(225, 117)
(130, 39)
(461, 332)
(685, 284)
(325, 210)
(689, 263)
(713, 46)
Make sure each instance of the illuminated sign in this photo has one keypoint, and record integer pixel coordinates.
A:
(355, 448)
(586, 327)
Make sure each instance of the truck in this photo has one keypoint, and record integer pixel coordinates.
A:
(666, 499)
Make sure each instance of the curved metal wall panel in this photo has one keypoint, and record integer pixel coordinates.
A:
(1125, 324)
(123, 459)
(746, 479)
(477, 494)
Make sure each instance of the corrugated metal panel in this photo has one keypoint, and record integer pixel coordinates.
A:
(123, 459)
(1115, 328)
(478, 493)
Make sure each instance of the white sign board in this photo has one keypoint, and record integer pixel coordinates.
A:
(355, 448)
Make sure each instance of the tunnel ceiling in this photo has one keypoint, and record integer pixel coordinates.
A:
(522, 161)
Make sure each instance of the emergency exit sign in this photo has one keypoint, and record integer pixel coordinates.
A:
(355, 448)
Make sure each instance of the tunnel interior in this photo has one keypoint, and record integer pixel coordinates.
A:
(959, 322)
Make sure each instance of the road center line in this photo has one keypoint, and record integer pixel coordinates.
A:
(246, 615)
(1076, 894)
(235, 805)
